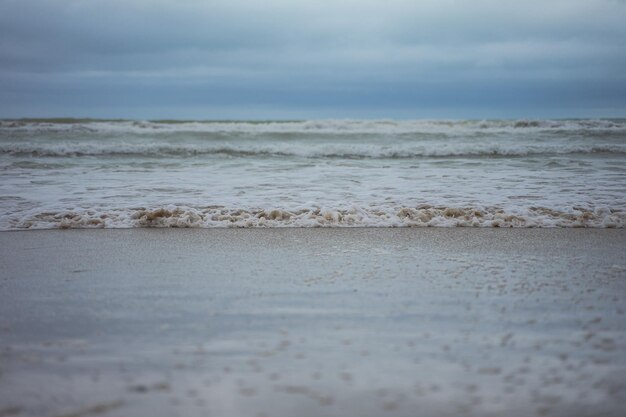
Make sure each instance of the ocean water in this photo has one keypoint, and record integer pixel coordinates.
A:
(332, 173)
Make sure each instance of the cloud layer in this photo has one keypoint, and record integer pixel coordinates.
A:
(285, 58)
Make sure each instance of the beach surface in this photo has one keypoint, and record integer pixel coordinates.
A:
(313, 322)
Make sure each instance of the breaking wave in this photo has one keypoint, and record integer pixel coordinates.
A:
(311, 139)
(315, 126)
(305, 150)
(77, 173)
(419, 216)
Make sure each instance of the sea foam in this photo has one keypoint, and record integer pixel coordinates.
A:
(420, 216)
(74, 173)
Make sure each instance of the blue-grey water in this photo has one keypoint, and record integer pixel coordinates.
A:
(521, 173)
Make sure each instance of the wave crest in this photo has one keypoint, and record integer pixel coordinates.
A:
(308, 126)
(305, 150)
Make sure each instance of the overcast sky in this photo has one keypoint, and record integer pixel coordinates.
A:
(286, 59)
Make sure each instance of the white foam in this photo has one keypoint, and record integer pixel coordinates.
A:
(420, 216)
(304, 149)
(318, 126)
(336, 173)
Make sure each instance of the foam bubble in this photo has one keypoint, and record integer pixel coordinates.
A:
(419, 216)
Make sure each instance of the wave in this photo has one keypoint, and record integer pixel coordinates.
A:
(312, 126)
(306, 150)
(418, 216)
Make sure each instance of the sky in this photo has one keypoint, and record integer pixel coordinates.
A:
(305, 59)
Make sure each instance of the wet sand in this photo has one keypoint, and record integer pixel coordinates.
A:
(313, 322)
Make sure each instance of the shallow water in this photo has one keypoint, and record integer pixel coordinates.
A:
(567, 173)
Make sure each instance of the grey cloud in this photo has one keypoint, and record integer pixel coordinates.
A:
(397, 53)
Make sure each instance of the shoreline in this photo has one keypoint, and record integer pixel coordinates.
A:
(423, 215)
(313, 321)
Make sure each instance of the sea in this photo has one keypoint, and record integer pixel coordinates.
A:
(84, 173)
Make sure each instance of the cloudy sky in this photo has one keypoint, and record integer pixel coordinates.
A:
(287, 59)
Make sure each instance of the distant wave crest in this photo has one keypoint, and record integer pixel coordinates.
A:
(310, 126)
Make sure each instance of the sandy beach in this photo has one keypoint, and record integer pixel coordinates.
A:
(313, 322)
